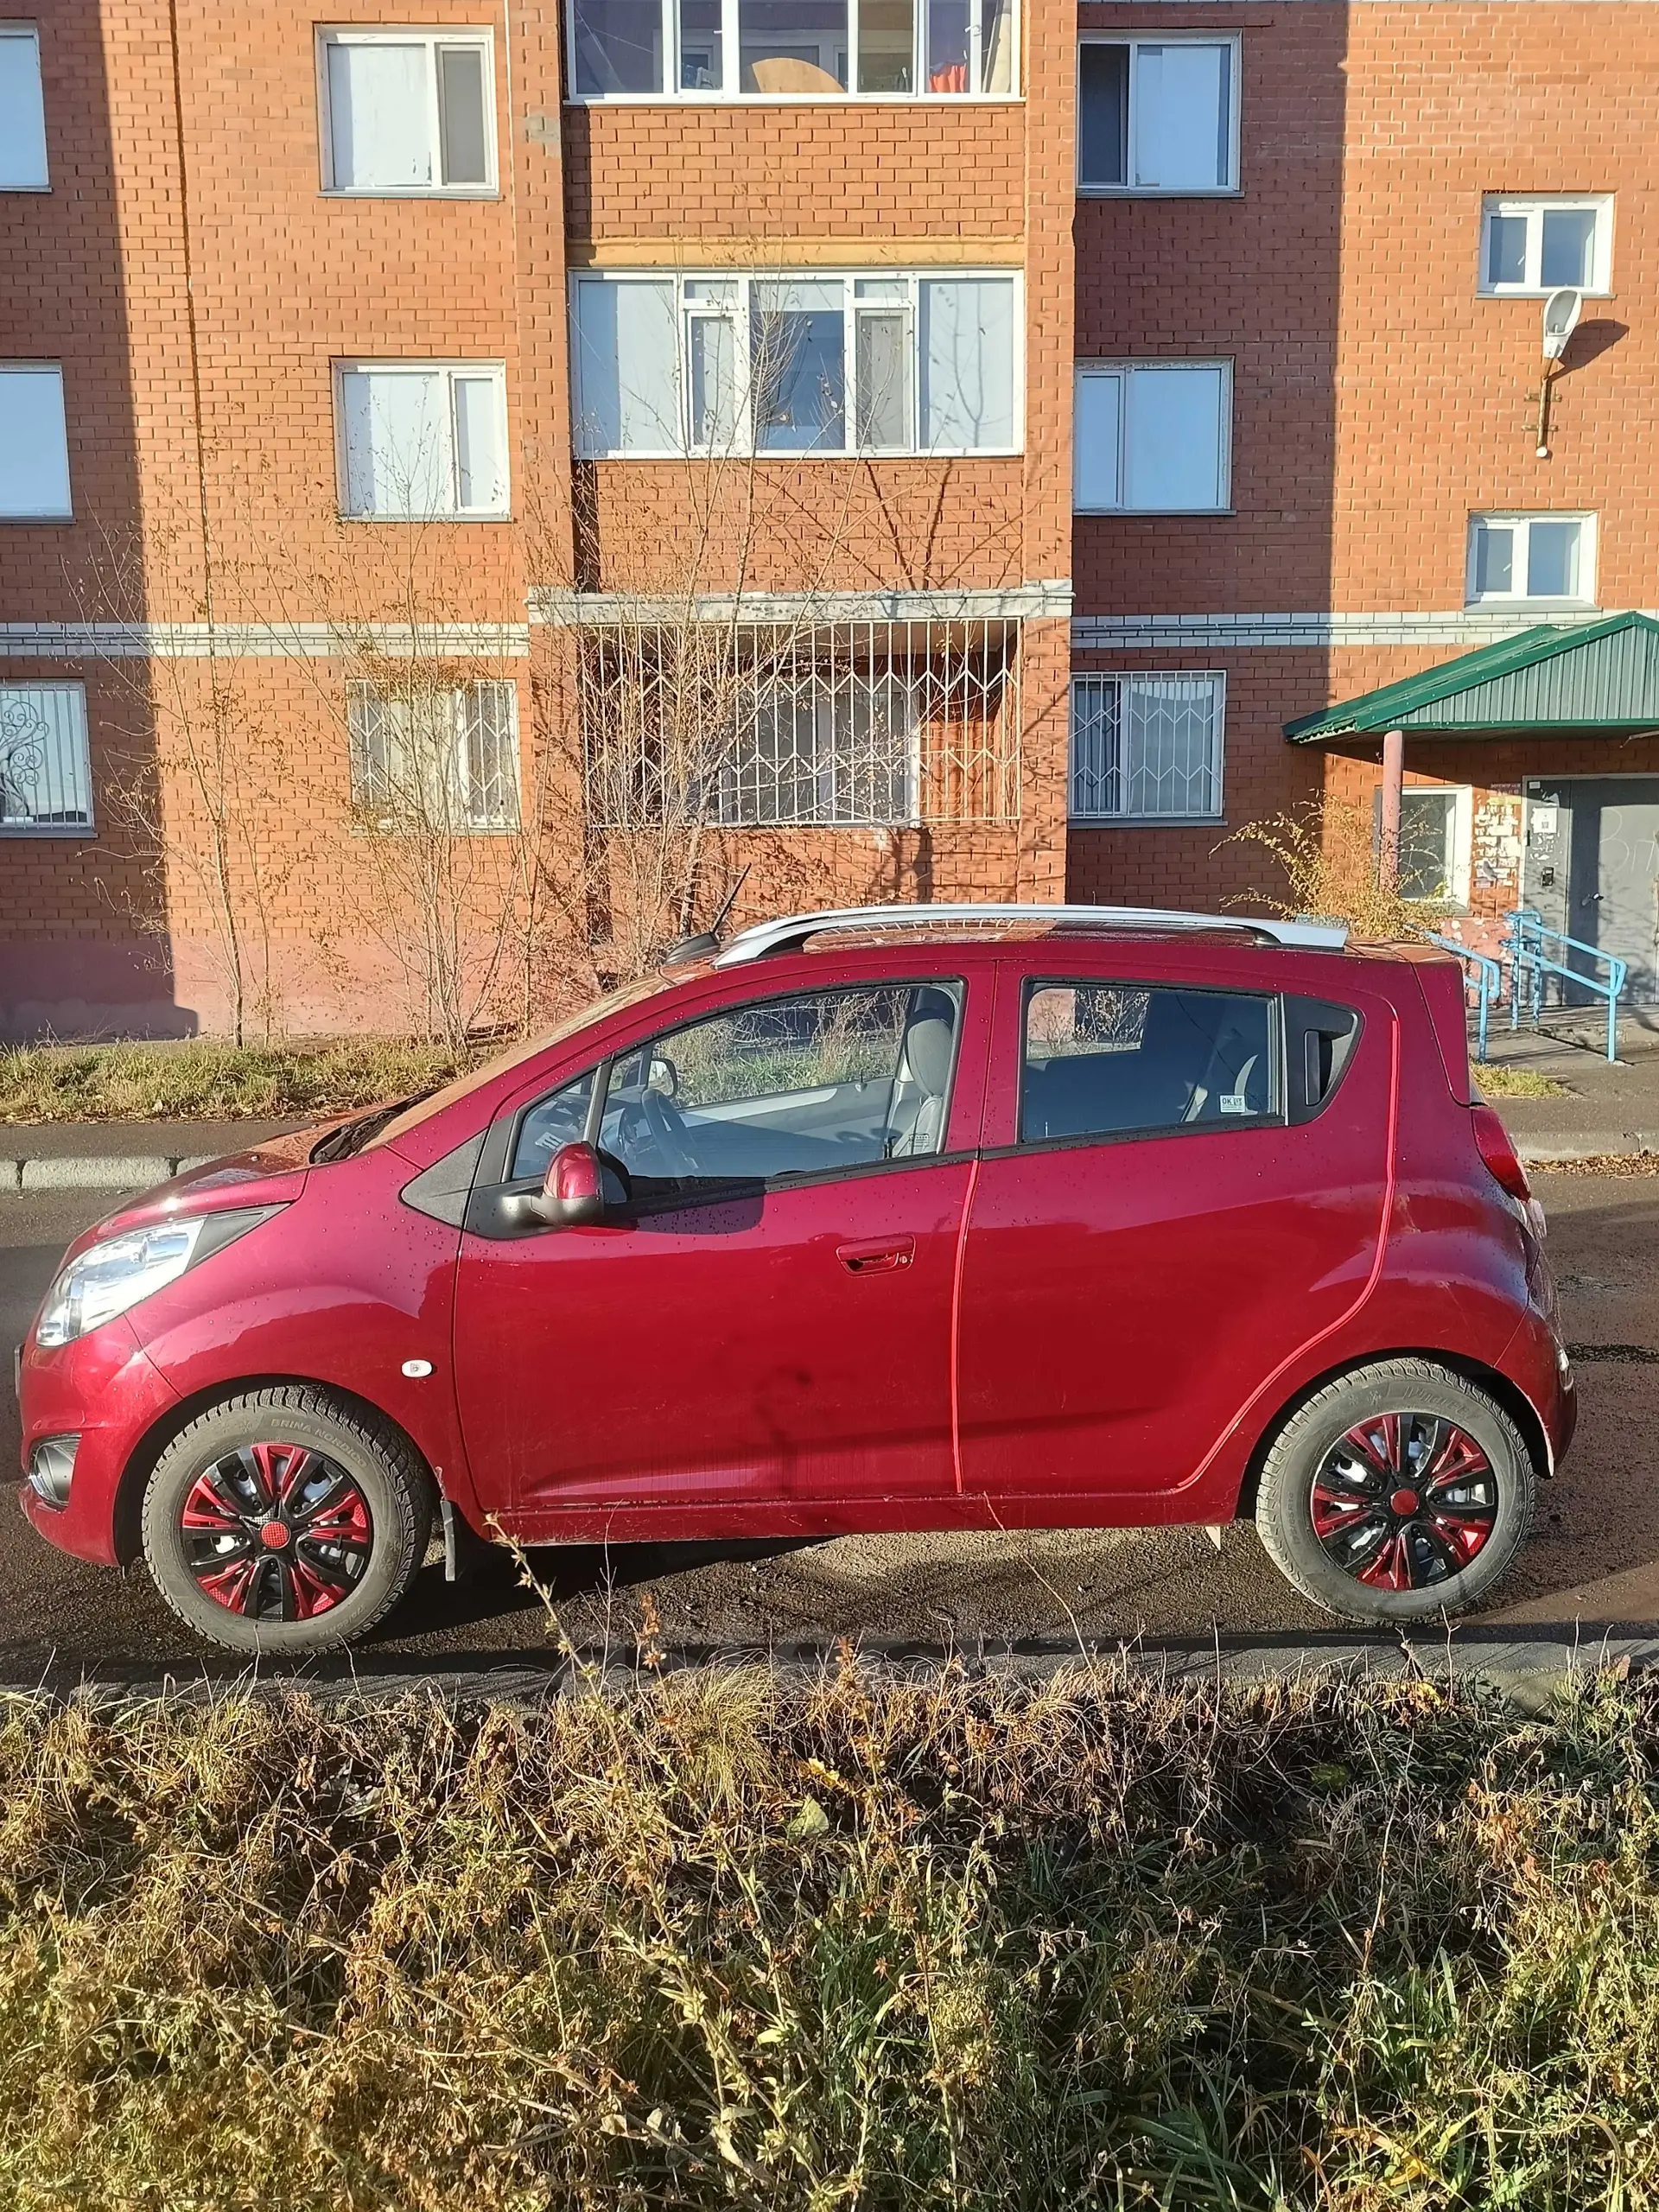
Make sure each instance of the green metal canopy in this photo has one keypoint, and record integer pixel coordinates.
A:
(1589, 678)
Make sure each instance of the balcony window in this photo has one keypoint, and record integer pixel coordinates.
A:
(828, 724)
(809, 364)
(407, 113)
(792, 49)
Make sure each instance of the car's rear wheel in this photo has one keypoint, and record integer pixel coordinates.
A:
(286, 1522)
(1397, 1493)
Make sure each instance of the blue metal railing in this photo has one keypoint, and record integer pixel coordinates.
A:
(1486, 978)
(1532, 949)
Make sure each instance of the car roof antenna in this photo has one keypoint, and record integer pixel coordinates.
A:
(704, 944)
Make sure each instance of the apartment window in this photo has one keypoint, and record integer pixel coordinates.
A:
(1158, 115)
(822, 751)
(45, 776)
(421, 441)
(1532, 556)
(1536, 245)
(435, 761)
(1434, 844)
(1146, 748)
(1152, 437)
(406, 110)
(23, 110)
(34, 443)
(818, 362)
(792, 49)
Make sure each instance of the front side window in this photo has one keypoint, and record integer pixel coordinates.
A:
(421, 440)
(1108, 1059)
(791, 49)
(1537, 245)
(434, 760)
(1146, 748)
(795, 1086)
(1531, 556)
(899, 362)
(34, 443)
(1158, 115)
(45, 778)
(406, 111)
(23, 110)
(1153, 437)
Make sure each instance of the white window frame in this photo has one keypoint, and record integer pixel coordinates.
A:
(1126, 371)
(463, 825)
(31, 32)
(1463, 839)
(1534, 207)
(742, 443)
(1129, 189)
(75, 696)
(66, 514)
(449, 370)
(431, 36)
(1585, 594)
(730, 45)
(1123, 678)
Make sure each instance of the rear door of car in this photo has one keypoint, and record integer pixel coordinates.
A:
(764, 1318)
(1183, 1185)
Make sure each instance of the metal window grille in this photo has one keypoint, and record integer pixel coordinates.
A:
(841, 723)
(1146, 747)
(441, 760)
(45, 774)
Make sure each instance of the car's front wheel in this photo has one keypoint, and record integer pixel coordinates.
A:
(1398, 1492)
(286, 1520)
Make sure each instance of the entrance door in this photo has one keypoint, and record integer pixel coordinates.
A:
(1613, 881)
(765, 1317)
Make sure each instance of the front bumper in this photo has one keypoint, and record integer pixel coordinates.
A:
(104, 1389)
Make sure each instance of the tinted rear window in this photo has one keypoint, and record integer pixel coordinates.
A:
(1103, 1058)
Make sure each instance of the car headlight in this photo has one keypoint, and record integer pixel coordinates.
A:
(111, 1277)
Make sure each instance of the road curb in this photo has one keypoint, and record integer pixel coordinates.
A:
(97, 1171)
(1527, 1673)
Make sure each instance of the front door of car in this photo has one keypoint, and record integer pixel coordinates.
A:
(763, 1317)
(1191, 1189)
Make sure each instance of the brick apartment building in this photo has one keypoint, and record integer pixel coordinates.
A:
(469, 473)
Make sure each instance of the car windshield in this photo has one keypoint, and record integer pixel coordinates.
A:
(422, 1110)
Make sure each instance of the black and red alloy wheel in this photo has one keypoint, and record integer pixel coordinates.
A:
(276, 1532)
(1404, 1500)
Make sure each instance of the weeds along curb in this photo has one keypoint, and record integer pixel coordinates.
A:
(1526, 1673)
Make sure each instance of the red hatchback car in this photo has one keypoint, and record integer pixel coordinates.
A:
(898, 1219)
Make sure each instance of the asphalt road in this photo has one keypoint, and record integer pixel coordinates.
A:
(1593, 1558)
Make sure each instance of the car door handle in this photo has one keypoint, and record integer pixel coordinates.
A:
(880, 1259)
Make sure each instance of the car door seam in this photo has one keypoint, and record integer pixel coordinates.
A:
(955, 1321)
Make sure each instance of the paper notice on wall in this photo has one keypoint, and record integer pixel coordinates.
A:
(1543, 821)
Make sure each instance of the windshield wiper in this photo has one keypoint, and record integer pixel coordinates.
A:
(350, 1136)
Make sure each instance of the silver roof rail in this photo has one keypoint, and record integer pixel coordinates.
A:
(793, 930)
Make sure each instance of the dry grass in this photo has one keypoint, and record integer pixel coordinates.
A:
(1497, 1079)
(1600, 1163)
(1090, 1943)
(209, 1081)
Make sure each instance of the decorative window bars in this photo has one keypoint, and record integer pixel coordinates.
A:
(833, 724)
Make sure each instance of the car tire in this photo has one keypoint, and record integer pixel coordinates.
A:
(286, 1522)
(1352, 1510)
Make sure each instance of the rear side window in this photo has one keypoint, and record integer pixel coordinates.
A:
(1101, 1060)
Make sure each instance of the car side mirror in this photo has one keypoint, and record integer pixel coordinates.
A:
(572, 1192)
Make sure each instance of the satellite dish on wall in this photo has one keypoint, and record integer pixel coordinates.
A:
(1561, 313)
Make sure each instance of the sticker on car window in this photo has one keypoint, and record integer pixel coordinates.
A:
(1233, 1102)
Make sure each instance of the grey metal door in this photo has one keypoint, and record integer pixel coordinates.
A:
(1613, 875)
